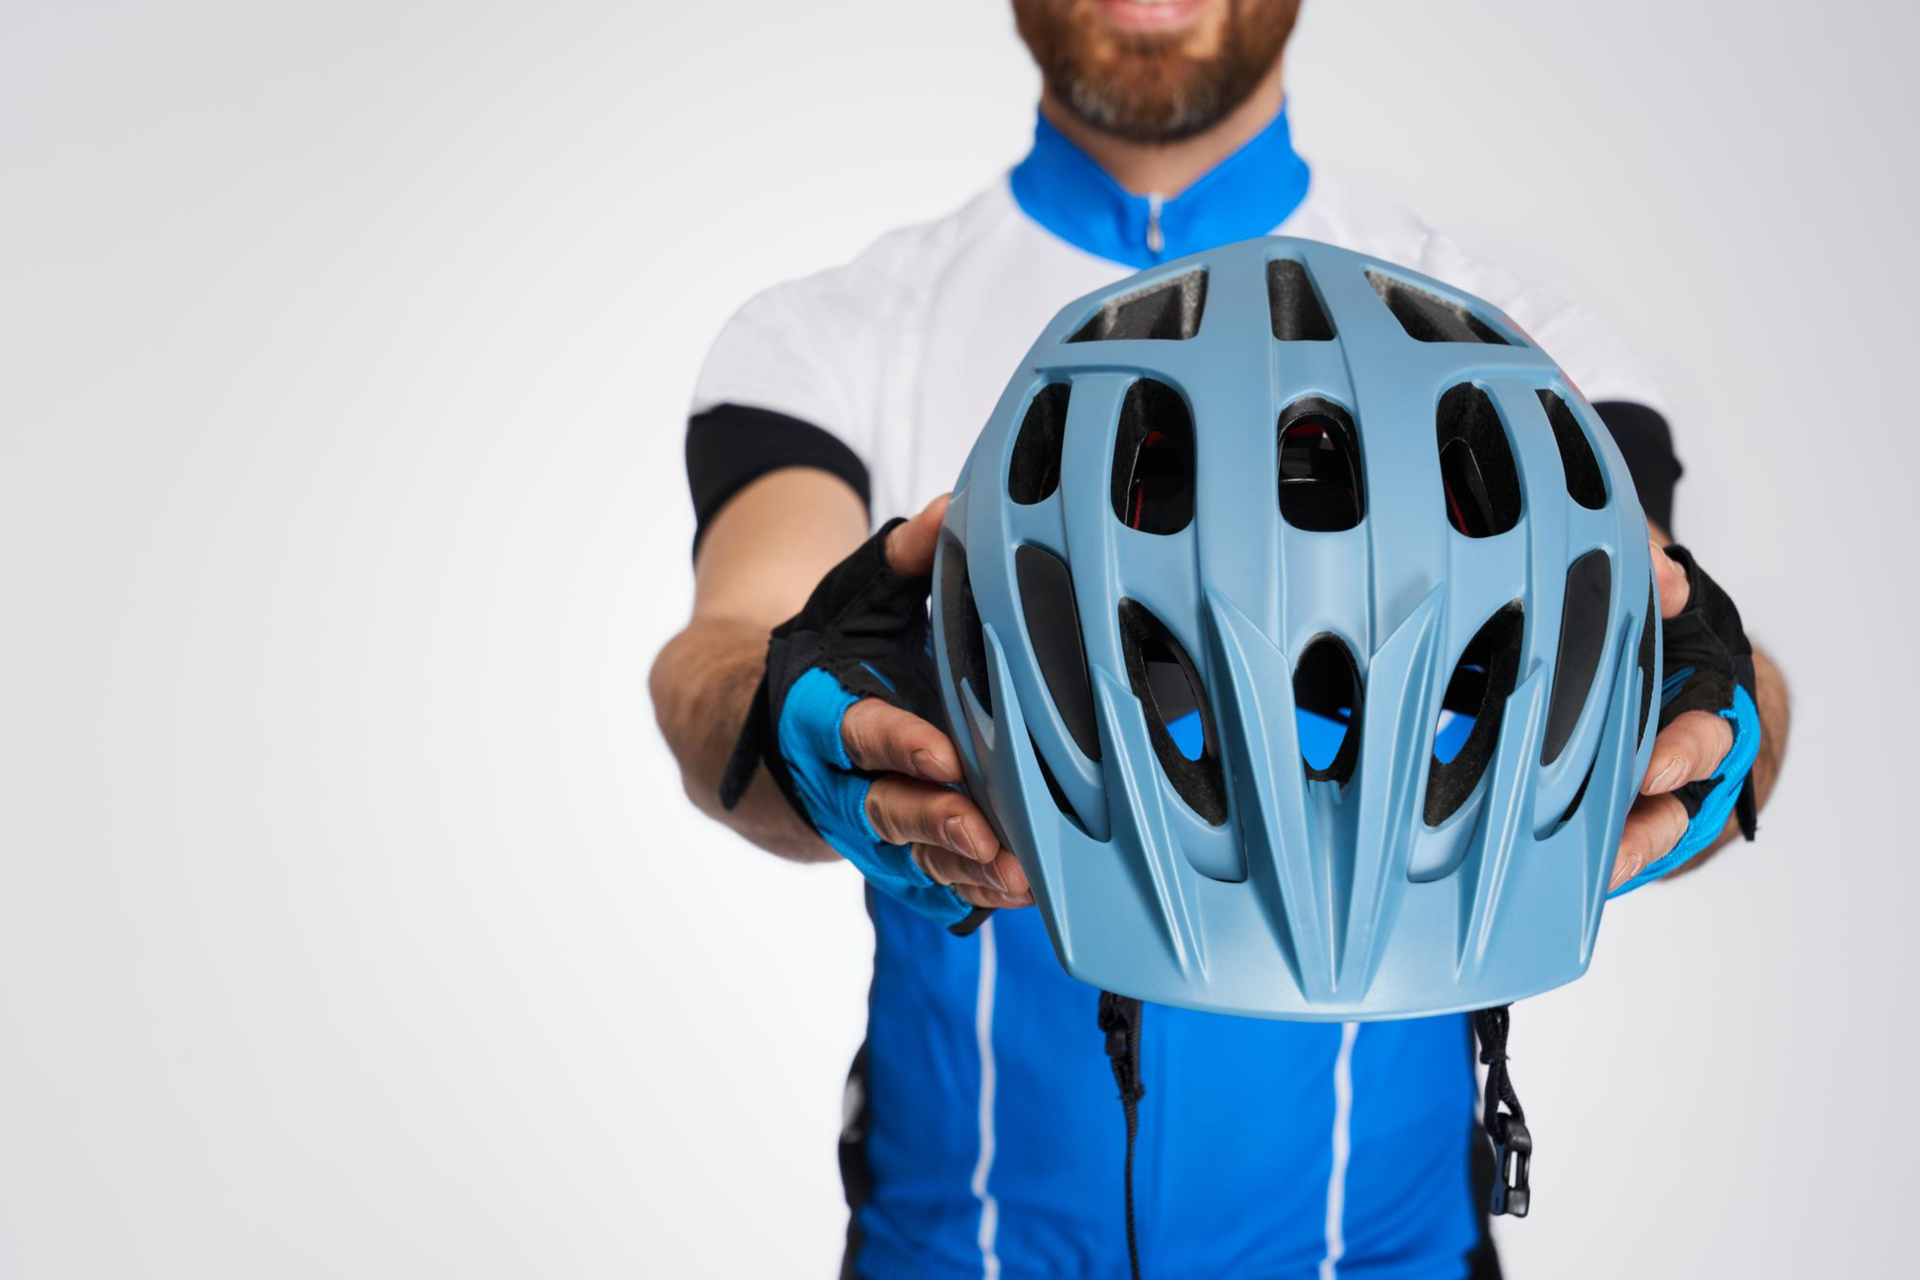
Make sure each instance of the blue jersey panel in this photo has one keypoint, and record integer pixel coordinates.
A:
(995, 1142)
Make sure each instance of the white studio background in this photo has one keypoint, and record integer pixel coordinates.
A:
(351, 918)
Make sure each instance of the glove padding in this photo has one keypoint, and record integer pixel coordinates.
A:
(1708, 666)
(862, 634)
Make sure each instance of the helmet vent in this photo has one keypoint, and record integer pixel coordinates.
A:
(1165, 309)
(1476, 464)
(1470, 710)
(1429, 317)
(1060, 801)
(1035, 470)
(1179, 721)
(1297, 313)
(1584, 484)
(1153, 459)
(1326, 699)
(1583, 634)
(1573, 805)
(1053, 628)
(1319, 467)
(966, 643)
(1646, 663)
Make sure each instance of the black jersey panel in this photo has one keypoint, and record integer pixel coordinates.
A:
(731, 445)
(1647, 444)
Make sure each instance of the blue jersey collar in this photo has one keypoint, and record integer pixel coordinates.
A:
(1248, 194)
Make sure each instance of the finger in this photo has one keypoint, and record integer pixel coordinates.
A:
(910, 545)
(882, 737)
(1670, 580)
(1654, 825)
(946, 867)
(906, 810)
(1688, 750)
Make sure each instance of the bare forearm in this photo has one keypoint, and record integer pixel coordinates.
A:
(702, 683)
(758, 560)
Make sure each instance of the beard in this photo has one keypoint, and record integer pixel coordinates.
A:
(1152, 86)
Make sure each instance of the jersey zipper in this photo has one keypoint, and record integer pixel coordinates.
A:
(1155, 241)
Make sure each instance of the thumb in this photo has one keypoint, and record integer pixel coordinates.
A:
(910, 545)
(1670, 580)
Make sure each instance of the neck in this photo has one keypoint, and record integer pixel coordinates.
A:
(1168, 168)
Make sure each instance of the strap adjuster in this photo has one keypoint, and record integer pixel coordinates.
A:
(1512, 1155)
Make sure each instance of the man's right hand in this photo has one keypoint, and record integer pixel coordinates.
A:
(838, 721)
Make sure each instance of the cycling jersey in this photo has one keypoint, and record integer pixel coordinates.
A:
(983, 1138)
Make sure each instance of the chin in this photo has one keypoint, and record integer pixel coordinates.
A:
(1153, 71)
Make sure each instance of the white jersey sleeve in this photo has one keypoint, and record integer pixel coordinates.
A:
(793, 349)
(789, 382)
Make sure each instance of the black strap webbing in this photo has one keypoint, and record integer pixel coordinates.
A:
(1120, 1019)
(1512, 1144)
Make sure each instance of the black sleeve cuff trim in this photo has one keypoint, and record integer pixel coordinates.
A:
(732, 445)
(1647, 444)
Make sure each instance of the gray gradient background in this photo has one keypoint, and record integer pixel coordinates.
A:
(351, 921)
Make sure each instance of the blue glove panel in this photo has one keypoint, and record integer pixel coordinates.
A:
(834, 795)
(1717, 807)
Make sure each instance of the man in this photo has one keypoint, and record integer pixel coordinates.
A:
(982, 1137)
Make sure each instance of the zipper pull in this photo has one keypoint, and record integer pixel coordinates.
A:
(1155, 241)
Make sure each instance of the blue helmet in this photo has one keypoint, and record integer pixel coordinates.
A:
(1295, 621)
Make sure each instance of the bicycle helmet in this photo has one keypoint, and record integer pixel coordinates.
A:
(1294, 615)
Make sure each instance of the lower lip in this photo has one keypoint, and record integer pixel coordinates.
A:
(1150, 17)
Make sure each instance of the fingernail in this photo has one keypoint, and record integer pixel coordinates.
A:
(1621, 874)
(993, 877)
(958, 838)
(927, 766)
(1659, 782)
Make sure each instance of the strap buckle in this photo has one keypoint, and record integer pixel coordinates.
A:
(1512, 1156)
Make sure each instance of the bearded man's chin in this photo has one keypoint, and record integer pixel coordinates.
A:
(1152, 99)
(1150, 86)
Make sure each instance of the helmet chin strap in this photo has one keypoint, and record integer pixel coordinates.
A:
(1512, 1144)
(1120, 1018)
